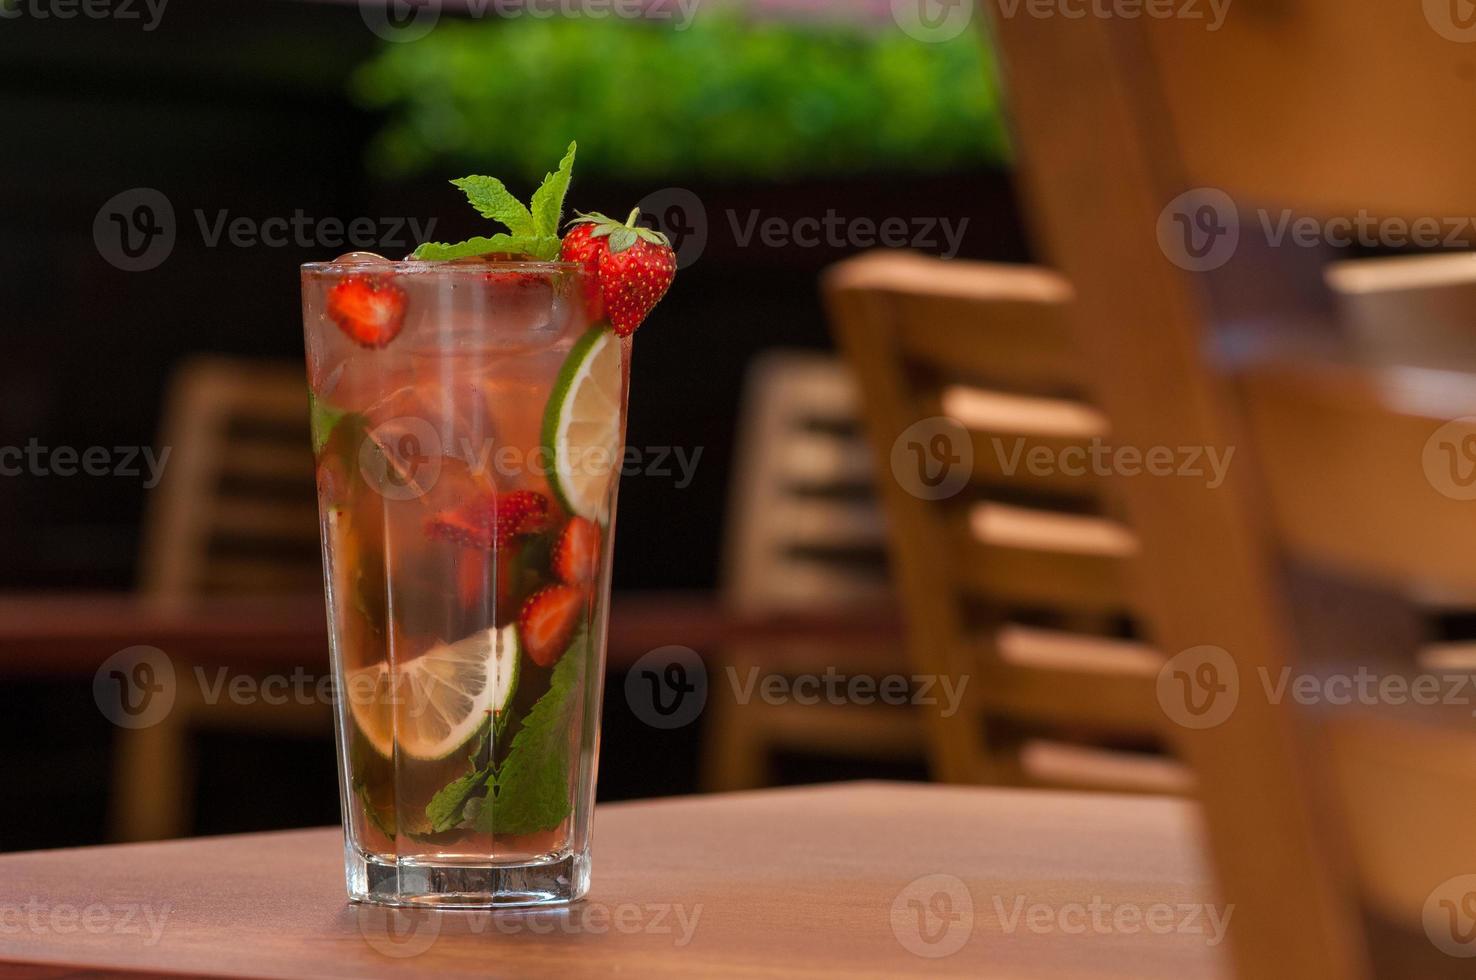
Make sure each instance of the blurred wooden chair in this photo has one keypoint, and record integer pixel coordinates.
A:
(1341, 834)
(805, 533)
(236, 511)
(1020, 579)
(234, 514)
(1352, 465)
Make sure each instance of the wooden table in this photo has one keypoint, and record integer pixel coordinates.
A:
(812, 882)
(71, 634)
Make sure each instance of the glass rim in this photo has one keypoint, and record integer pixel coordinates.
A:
(458, 267)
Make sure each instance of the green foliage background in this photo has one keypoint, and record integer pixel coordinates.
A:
(725, 98)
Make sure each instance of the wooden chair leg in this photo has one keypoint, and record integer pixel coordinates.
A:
(735, 752)
(149, 798)
(956, 749)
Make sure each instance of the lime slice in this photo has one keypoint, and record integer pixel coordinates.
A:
(581, 425)
(437, 702)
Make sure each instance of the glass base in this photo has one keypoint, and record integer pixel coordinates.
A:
(446, 885)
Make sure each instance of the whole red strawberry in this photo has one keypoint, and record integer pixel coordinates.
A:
(582, 247)
(634, 266)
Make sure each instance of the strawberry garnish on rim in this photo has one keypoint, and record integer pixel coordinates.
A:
(370, 310)
(576, 555)
(580, 246)
(634, 266)
(547, 622)
(491, 520)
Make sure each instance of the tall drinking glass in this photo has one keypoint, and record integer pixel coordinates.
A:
(467, 418)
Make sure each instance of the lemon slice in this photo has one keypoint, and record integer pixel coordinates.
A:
(437, 702)
(581, 425)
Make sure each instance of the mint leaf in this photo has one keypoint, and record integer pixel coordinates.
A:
(539, 247)
(445, 809)
(534, 232)
(530, 791)
(322, 417)
(495, 201)
(385, 823)
(548, 200)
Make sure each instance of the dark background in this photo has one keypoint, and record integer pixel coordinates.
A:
(245, 107)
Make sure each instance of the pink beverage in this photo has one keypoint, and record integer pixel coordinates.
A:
(468, 420)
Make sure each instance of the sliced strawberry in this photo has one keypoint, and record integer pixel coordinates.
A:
(547, 622)
(520, 512)
(490, 520)
(469, 525)
(576, 555)
(370, 310)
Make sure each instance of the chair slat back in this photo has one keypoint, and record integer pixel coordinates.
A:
(1307, 108)
(972, 393)
(236, 509)
(805, 526)
(1364, 471)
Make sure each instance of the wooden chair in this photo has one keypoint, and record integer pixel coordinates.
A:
(804, 532)
(1338, 834)
(1019, 580)
(235, 513)
(236, 510)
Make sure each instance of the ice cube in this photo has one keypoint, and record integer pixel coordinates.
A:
(439, 415)
(361, 258)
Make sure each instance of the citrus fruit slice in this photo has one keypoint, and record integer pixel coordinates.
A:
(581, 425)
(436, 703)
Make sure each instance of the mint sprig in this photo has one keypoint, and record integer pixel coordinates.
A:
(493, 200)
(539, 247)
(446, 808)
(529, 791)
(530, 231)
